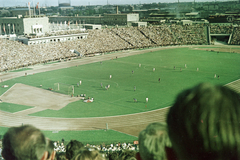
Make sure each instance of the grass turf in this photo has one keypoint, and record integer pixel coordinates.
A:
(118, 99)
(92, 136)
(12, 108)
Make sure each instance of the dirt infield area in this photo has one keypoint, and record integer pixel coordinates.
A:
(36, 97)
(42, 99)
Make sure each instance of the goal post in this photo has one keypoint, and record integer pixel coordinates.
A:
(63, 88)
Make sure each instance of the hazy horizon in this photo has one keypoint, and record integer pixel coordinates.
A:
(12, 3)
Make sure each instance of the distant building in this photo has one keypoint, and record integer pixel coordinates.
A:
(107, 19)
(66, 8)
(139, 24)
(193, 15)
(92, 26)
(223, 18)
(120, 19)
(21, 11)
(186, 22)
(64, 5)
(76, 19)
(167, 16)
(24, 26)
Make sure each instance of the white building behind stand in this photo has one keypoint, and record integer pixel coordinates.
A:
(52, 39)
(24, 26)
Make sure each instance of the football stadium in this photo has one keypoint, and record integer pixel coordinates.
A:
(124, 79)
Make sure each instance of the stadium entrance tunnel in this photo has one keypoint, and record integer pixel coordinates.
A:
(221, 39)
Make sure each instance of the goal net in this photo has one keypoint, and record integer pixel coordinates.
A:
(63, 88)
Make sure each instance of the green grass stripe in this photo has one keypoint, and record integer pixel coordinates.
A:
(12, 108)
(91, 136)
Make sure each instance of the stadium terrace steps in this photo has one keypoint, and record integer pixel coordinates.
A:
(147, 37)
(44, 123)
(122, 37)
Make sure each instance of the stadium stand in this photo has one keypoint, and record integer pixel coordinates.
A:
(63, 32)
(132, 36)
(189, 34)
(14, 55)
(160, 35)
(236, 36)
(221, 28)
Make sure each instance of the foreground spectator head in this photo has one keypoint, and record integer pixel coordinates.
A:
(152, 142)
(204, 123)
(50, 149)
(61, 156)
(24, 143)
(72, 148)
(113, 155)
(127, 155)
(88, 154)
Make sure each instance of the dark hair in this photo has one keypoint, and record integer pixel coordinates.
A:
(49, 147)
(61, 156)
(72, 148)
(88, 154)
(127, 154)
(23, 143)
(113, 155)
(204, 123)
(153, 140)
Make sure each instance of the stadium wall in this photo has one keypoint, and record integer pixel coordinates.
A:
(52, 39)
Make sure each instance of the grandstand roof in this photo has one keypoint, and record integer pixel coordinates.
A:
(192, 14)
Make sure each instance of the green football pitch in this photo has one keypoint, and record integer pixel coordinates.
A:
(127, 75)
(118, 99)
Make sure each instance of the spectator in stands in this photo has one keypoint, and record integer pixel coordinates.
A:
(14, 55)
(113, 155)
(88, 154)
(61, 156)
(204, 123)
(50, 149)
(1, 158)
(236, 36)
(221, 29)
(152, 142)
(127, 155)
(72, 148)
(24, 143)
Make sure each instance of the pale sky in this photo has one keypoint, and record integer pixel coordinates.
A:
(7, 3)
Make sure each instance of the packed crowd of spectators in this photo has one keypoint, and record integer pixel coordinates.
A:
(236, 36)
(133, 36)
(160, 35)
(189, 34)
(15, 55)
(221, 29)
(100, 41)
(105, 150)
